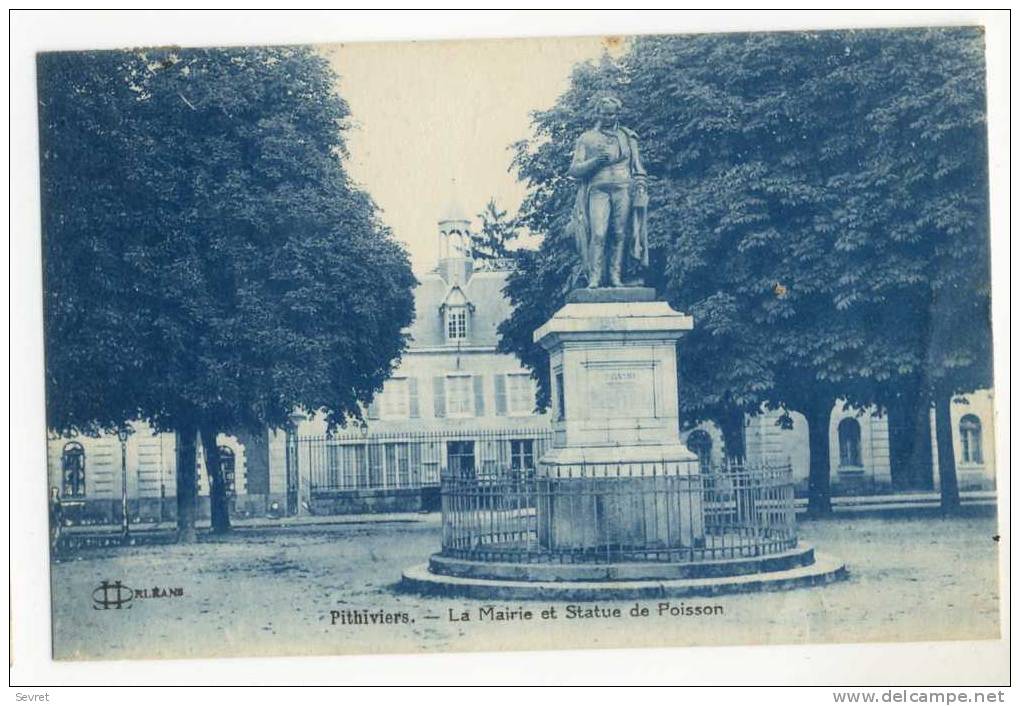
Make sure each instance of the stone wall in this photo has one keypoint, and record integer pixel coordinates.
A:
(353, 502)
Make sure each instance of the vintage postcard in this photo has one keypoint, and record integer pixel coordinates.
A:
(523, 344)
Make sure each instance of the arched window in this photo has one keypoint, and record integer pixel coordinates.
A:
(700, 443)
(72, 464)
(461, 242)
(849, 443)
(227, 465)
(970, 439)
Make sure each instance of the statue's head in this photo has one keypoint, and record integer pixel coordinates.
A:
(605, 105)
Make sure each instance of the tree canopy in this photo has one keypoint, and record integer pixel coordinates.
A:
(206, 255)
(818, 203)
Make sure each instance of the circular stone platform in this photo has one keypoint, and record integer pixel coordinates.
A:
(443, 576)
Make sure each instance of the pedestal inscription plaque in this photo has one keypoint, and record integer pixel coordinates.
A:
(620, 387)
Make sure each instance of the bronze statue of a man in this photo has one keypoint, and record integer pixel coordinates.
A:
(609, 212)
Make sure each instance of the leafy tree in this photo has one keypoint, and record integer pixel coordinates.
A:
(497, 233)
(815, 195)
(209, 265)
(913, 212)
(86, 291)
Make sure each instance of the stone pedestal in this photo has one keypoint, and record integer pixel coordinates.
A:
(631, 515)
(617, 475)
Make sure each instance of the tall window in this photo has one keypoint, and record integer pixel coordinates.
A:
(522, 455)
(375, 466)
(849, 432)
(398, 468)
(456, 323)
(72, 463)
(404, 461)
(228, 465)
(347, 466)
(460, 457)
(520, 393)
(395, 400)
(334, 463)
(359, 462)
(970, 439)
(700, 443)
(459, 400)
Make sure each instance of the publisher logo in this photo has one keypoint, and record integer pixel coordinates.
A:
(117, 595)
(109, 595)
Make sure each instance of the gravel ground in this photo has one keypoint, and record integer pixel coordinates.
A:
(913, 576)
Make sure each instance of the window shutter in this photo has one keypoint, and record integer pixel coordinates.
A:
(412, 398)
(373, 409)
(499, 381)
(479, 383)
(439, 396)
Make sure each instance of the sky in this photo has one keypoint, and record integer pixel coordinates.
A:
(433, 122)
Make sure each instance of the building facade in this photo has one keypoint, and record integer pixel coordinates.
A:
(859, 446)
(93, 475)
(453, 403)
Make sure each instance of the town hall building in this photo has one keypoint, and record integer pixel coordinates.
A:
(453, 403)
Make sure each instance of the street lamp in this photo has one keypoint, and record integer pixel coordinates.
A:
(123, 433)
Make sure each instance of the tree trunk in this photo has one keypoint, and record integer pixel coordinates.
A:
(910, 453)
(923, 458)
(731, 423)
(186, 483)
(819, 415)
(901, 444)
(219, 509)
(949, 488)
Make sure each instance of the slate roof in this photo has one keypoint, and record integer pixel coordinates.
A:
(485, 293)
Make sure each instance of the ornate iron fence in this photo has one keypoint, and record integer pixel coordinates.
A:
(619, 512)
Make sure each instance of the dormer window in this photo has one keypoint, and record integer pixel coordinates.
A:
(456, 323)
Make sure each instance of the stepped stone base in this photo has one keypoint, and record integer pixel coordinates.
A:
(801, 555)
(419, 579)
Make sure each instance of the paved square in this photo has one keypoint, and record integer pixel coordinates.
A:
(913, 577)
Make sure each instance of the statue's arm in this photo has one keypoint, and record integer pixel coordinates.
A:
(637, 168)
(581, 166)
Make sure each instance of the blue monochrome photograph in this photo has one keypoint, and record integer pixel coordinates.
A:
(522, 344)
